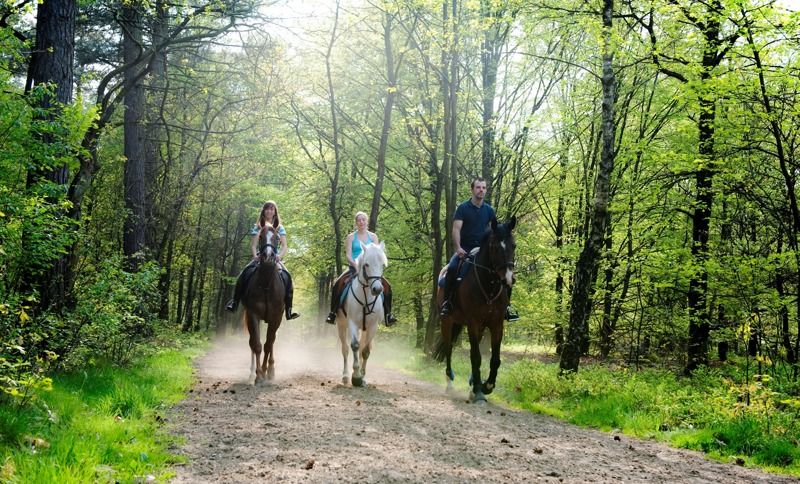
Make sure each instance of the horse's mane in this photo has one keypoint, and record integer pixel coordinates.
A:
(502, 231)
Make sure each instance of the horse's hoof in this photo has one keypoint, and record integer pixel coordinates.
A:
(357, 381)
(344, 380)
(451, 375)
(488, 388)
(479, 399)
(271, 374)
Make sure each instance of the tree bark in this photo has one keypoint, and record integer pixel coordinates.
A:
(52, 63)
(391, 93)
(586, 268)
(135, 228)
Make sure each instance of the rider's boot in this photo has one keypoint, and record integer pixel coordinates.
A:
(449, 282)
(238, 290)
(232, 305)
(335, 295)
(511, 313)
(389, 319)
(289, 297)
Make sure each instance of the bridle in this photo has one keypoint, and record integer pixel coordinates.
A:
(494, 269)
(365, 281)
(268, 243)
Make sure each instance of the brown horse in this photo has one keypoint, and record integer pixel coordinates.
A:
(480, 303)
(263, 301)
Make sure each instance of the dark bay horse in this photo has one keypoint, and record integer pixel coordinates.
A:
(263, 301)
(480, 304)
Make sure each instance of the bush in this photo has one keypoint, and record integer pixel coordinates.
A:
(115, 313)
(23, 361)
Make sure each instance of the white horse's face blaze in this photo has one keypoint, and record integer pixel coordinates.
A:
(269, 241)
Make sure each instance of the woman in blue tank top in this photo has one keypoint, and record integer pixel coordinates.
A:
(358, 238)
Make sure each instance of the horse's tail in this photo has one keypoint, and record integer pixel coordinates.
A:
(439, 353)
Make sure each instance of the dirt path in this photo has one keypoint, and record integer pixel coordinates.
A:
(308, 427)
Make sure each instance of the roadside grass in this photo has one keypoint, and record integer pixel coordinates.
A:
(703, 413)
(101, 424)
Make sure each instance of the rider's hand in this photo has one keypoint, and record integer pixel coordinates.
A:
(461, 252)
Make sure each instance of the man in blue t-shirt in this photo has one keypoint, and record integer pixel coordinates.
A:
(470, 222)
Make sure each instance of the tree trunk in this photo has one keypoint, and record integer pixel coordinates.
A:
(52, 62)
(333, 206)
(391, 93)
(586, 268)
(134, 179)
(791, 193)
(494, 38)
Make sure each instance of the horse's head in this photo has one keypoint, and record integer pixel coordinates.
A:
(501, 245)
(268, 240)
(370, 265)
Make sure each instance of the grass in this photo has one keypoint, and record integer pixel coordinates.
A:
(102, 424)
(702, 413)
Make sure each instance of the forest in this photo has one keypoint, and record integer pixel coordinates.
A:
(649, 149)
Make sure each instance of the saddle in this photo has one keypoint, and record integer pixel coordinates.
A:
(462, 268)
(346, 282)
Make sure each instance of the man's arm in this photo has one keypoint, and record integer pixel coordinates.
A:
(456, 236)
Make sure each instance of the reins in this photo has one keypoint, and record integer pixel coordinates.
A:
(491, 270)
(367, 308)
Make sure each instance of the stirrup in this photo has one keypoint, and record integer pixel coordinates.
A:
(447, 308)
(331, 318)
(511, 314)
(291, 315)
(231, 306)
(390, 320)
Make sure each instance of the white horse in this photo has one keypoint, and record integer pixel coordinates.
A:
(357, 320)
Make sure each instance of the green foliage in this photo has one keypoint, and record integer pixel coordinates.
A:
(24, 361)
(115, 312)
(101, 424)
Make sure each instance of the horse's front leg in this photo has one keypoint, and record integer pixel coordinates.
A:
(494, 362)
(475, 359)
(367, 337)
(343, 340)
(356, 379)
(255, 346)
(269, 352)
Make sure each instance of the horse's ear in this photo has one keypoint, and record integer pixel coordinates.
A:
(512, 223)
(494, 224)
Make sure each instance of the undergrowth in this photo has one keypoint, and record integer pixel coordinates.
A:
(100, 424)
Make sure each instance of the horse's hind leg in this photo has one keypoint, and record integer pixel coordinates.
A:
(447, 348)
(345, 350)
(494, 362)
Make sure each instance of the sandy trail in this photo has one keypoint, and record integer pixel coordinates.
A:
(308, 427)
